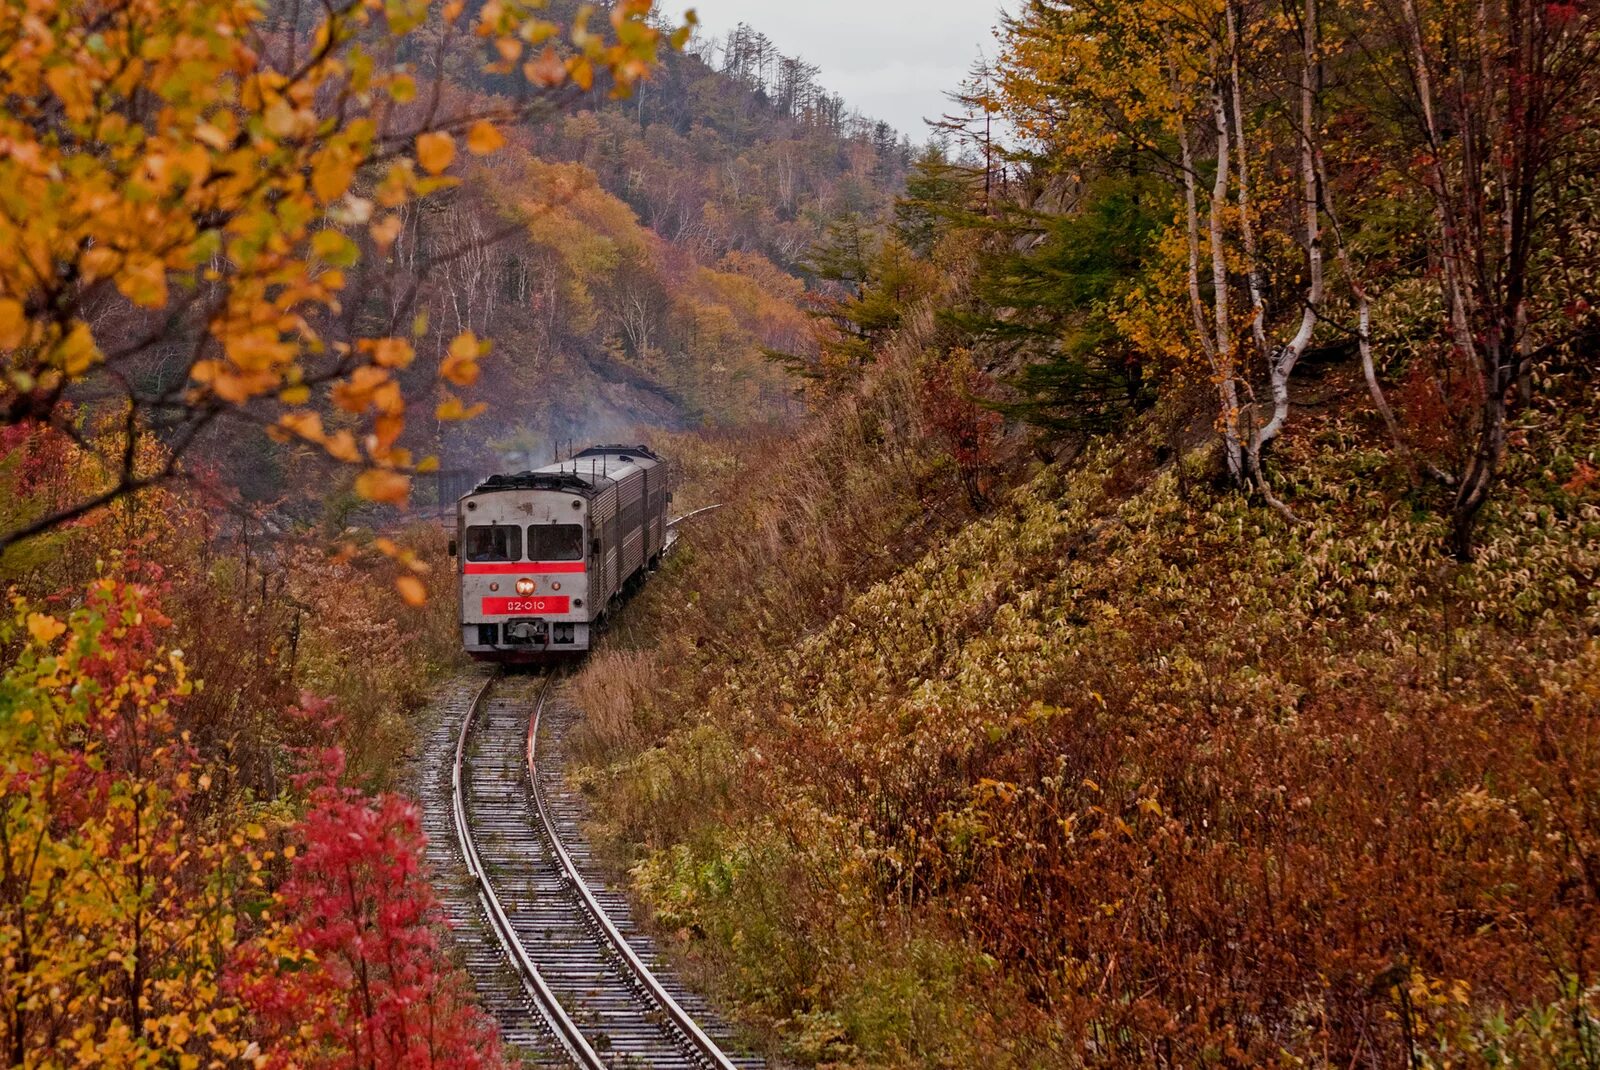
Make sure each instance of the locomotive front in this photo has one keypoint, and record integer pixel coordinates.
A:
(524, 566)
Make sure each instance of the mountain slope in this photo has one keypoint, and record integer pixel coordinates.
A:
(1129, 764)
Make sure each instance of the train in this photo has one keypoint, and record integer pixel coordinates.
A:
(544, 556)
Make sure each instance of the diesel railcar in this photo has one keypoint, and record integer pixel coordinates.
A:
(544, 555)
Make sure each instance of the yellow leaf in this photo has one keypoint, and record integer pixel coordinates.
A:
(280, 119)
(460, 365)
(382, 485)
(331, 175)
(403, 88)
(72, 88)
(44, 628)
(332, 247)
(412, 590)
(13, 323)
(77, 352)
(582, 72)
(452, 409)
(435, 150)
(484, 138)
(144, 282)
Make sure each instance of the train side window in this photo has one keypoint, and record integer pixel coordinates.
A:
(494, 543)
(555, 542)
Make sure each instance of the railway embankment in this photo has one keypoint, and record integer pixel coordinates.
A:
(1126, 762)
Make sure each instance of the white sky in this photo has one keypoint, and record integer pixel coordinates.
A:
(893, 59)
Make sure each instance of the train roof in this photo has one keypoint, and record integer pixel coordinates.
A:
(627, 453)
(589, 472)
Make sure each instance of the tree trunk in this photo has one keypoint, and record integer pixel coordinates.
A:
(1227, 364)
(1479, 477)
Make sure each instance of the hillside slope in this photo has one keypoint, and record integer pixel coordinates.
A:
(1128, 770)
(633, 260)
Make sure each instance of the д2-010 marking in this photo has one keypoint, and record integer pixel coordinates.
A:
(507, 607)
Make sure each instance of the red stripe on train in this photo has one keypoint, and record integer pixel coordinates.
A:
(525, 568)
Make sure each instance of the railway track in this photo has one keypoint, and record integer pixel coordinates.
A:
(554, 952)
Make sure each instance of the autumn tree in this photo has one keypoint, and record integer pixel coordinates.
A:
(357, 919)
(1263, 117)
(1098, 85)
(117, 908)
(195, 204)
(1499, 98)
(872, 280)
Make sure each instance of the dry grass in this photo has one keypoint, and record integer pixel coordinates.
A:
(1052, 785)
(617, 691)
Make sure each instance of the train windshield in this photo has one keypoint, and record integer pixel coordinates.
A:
(494, 543)
(555, 542)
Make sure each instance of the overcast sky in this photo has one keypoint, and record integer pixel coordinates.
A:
(893, 59)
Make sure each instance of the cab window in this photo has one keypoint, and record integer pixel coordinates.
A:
(494, 543)
(555, 542)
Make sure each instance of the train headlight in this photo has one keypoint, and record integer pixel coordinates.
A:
(555, 586)
(526, 586)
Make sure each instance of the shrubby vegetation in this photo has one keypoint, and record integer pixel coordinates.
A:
(1234, 704)
(157, 908)
(1127, 768)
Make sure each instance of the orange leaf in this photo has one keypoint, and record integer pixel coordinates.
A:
(332, 173)
(385, 231)
(382, 485)
(13, 323)
(484, 138)
(341, 446)
(44, 629)
(547, 71)
(452, 409)
(412, 590)
(460, 365)
(392, 353)
(435, 150)
(582, 73)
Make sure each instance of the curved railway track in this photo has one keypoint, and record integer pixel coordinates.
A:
(554, 953)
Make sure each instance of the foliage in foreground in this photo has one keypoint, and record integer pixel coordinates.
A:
(197, 200)
(150, 915)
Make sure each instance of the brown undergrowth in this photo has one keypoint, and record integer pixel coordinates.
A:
(1128, 771)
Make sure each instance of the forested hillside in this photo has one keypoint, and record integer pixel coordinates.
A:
(658, 271)
(1177, 643)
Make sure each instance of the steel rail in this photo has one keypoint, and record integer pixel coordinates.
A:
(691, 514)
(561, 1024)
(696, 1037)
